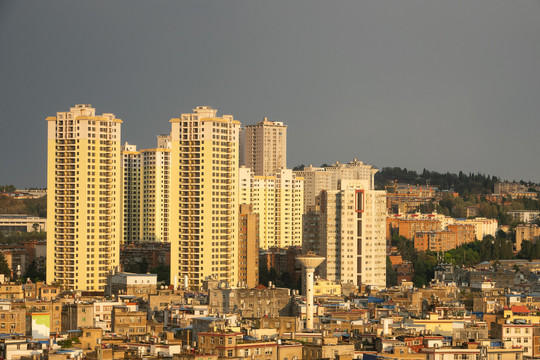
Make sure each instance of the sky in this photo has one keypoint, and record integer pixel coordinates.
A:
(436, 84)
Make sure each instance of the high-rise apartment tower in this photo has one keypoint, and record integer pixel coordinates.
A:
(278, 200)
(131, 190)
(84, 198)
(265, 147)
(353, 233)
(204, 203)
(146, 189)
(328, 178)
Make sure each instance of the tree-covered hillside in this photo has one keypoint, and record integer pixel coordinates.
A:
(461, 183)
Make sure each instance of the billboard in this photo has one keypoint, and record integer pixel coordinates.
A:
(41, 325)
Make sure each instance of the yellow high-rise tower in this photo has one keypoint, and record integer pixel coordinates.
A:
(204, 203)
(84, 198)
(131, 189)
(147, 191)
(155, 188)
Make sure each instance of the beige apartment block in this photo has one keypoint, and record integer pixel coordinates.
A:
(84, 198)
(509, 188)
(353, 234)
(482, 226)
(265, 147)
(204, 176)
(518, 334)
(529, 232)
(278, 200)
(315, 180)
(525, 216)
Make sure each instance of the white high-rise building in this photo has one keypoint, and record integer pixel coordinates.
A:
(84, 198)
(204, 198)
(278, 200)
(265, 147)
(315, 180)
(353, 234)
(328, 178)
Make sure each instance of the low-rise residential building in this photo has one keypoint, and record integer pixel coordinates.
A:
(323, 287)
(282, 324)
(519, 334)
(525, 216)
(530, 232)
(12, 320)
(10, 223)
(497, 353)
(102, 311)
(233, 345)
(251, 303)
(128, 323)
(11, 291)
(53, 308)
(77, 315)
(124, 283)
(453, 236)
(327, 348)
(90, 337)
(508, 187)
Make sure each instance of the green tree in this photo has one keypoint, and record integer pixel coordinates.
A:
(163, 273)
(4, 267)
(285, 280)
(391, 275)
(424, 266)
(34, 273)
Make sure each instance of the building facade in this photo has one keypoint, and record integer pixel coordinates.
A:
(146, 191)
(10, 223)
(328, 178)
(353, 234)
(248, 246)
(204, 176)
(84, 198)
(265, 147)
(525, 216)
(278, 201)
(155, 186)
(131, 190)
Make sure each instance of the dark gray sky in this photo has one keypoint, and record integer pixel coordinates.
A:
(437, 84)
